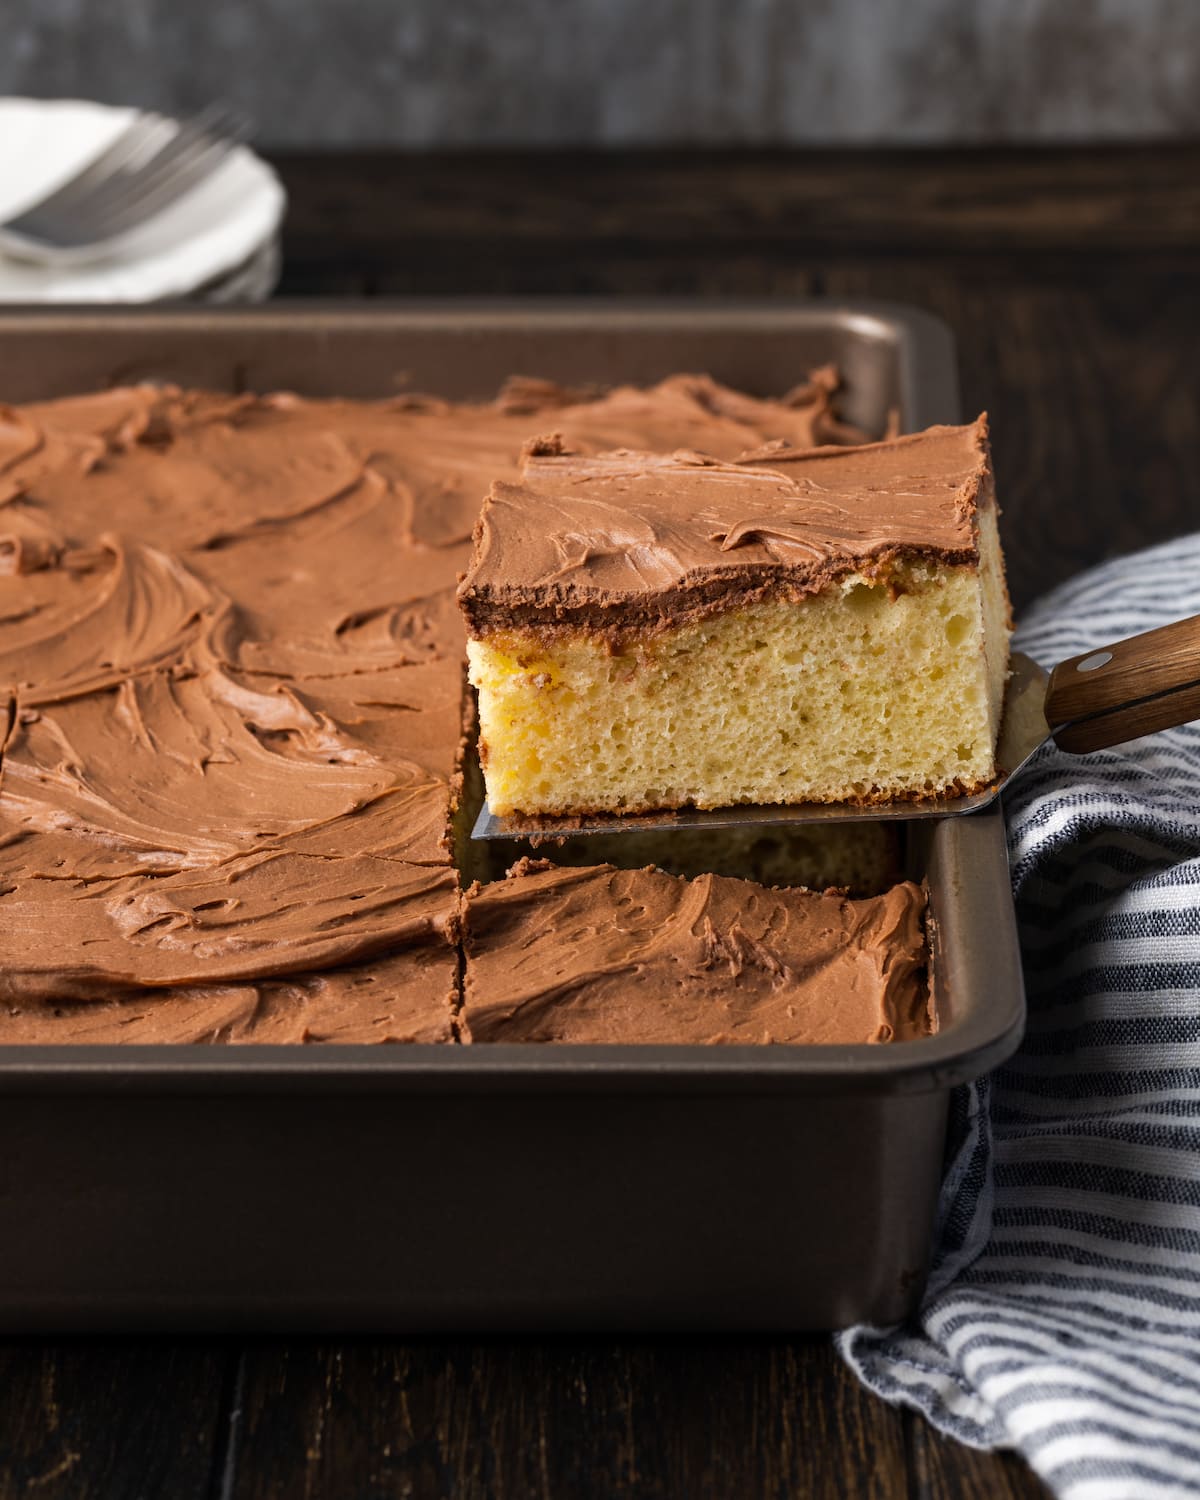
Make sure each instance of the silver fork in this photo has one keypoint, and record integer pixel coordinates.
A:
(152, 164)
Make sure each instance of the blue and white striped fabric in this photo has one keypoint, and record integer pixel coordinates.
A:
(1063, 1313)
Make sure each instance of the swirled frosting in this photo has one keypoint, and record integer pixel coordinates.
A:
(231, 695)
(640, 539)
(607, 955)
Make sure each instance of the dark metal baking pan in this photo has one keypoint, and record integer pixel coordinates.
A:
(501, 1187)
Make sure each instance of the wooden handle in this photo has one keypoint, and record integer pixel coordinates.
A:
(1131, 688)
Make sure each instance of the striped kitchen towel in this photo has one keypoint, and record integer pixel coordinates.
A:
(1062, 1317)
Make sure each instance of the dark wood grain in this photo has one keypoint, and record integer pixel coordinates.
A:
(941, 1469)
(581, 1418)
(396, 214)
(121, 1421)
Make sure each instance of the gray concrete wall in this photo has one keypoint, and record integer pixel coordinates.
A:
(537, 72)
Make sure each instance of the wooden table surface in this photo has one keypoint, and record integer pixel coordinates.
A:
(1072, 282)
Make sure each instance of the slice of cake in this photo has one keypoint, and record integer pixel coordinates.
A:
(606, 955)
(654, 631)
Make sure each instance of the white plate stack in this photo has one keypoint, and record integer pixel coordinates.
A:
(218, 244)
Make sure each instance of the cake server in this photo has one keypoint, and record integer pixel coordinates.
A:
(1090, 702)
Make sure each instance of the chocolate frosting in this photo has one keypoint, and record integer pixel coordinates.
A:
(635, 539)
(231, 751)
(407, 996)
(231, 694)
(607, 955)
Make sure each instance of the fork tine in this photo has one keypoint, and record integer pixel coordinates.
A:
(128, 173)
(125, 145)
(190, 166)
(151, 199)
(222, 134)
(108, 205)
(181, 149)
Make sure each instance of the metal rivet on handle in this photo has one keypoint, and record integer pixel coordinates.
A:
(1097, 659)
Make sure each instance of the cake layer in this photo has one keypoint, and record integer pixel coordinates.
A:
(849, 695)
(621, 956)
(659, 632)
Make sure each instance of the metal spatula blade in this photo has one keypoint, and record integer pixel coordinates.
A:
(1102, 698)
